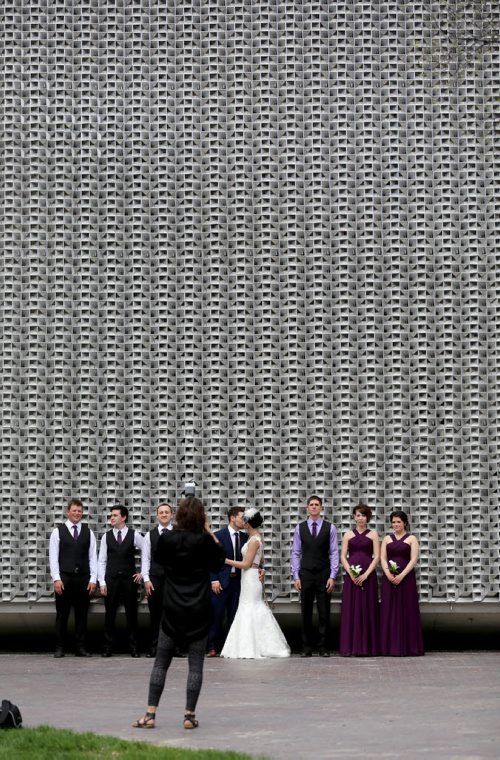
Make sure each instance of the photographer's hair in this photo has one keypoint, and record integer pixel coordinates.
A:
(190, 515)
(234, 511)
(365, 510)
(402, 516)
(122, 510)
(255, 521)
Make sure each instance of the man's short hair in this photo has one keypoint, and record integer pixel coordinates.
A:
(234, 511)
(74, 502)
(165, 504)
(315, 498)
(122, 510)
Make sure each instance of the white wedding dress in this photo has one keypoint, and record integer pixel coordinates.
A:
(254, 633)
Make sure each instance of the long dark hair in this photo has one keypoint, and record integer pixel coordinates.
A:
(190, 515)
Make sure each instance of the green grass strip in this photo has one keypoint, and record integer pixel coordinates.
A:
(45, 743)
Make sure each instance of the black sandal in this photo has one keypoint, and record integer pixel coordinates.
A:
(147, 721)
(190, 721)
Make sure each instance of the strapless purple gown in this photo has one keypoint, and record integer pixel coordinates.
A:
(359, 614)
(400, 629)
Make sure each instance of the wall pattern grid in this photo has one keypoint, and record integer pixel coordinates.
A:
(252, 243)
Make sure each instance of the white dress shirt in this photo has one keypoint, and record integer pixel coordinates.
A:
(103, 551)
(146, 552)
(54, 552)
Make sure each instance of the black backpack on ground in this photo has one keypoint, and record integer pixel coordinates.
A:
(10, 715)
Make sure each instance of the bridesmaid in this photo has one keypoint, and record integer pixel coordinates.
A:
(359, 615)
(401, 631)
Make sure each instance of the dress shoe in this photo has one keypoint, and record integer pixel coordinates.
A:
(324, 653)
(212, 653)
(306, 653)
(152, 652)
(106, 653)
(82, 653)
(59, 652)
(134, 653)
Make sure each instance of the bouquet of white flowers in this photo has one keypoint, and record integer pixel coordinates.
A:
(356, 571)
(393, 567)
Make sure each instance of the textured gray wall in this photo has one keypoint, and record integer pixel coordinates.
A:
(252, 243)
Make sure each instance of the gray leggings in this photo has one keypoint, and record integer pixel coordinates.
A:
(164, 654)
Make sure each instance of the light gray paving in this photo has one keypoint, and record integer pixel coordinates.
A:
(442, 705)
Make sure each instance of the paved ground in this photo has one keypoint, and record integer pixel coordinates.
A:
(443, 705)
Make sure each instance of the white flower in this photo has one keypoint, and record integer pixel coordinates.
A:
(393, 567)
(356, 570)
(249, 513)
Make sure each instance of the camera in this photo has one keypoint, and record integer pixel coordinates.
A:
(190, 488)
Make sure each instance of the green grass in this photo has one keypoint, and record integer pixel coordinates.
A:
(46, 743)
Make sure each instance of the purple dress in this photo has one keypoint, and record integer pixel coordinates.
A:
(359, 615)
(400, 630)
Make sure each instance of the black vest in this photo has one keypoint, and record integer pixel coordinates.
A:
(121, 557)
(74, 555)
(315, 551)
(155, 569)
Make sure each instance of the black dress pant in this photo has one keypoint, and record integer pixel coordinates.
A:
(120, 590)
(155, 604)
(76, 596)
(314, 587)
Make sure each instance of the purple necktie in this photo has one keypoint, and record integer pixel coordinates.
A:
(119, 537)
(163, 531)
(314, 530)
(75, 532)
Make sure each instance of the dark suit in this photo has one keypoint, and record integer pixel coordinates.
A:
(121, 588)
(75, 574)
(226, 602)
(314, 573)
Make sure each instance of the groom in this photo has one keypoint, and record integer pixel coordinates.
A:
(226, 584)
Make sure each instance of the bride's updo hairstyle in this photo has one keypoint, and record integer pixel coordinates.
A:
(253, 517)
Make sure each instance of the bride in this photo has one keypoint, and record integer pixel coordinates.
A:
(254, 632)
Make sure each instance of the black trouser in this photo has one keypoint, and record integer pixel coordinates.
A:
(155, 604)
(120, 590)
(314, 587)
(76, 596)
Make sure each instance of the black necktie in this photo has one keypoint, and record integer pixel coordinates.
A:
(237, 549)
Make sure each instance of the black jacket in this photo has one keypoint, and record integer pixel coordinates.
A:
(188, 559)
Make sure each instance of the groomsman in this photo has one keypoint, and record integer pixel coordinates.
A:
(118, 578)
(226, 584)
(153, 574)
(315, 563)
(73, 567)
